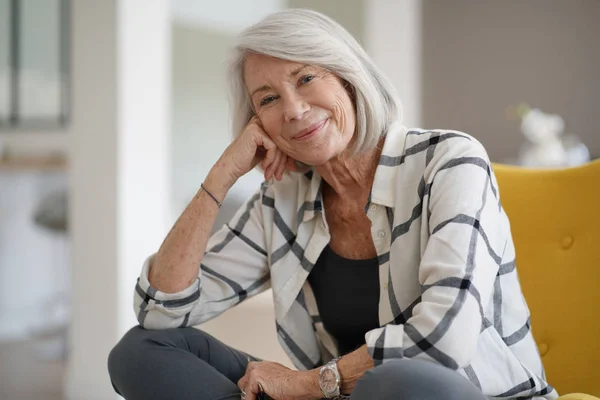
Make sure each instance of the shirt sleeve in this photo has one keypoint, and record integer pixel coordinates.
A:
(234, 267)
(467, 234)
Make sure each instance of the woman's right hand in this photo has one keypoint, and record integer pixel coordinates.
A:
(252, 146)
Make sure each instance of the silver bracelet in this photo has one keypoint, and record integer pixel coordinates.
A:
(210, 194)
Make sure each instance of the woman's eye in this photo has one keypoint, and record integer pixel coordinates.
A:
(267, 100)
(306, 79)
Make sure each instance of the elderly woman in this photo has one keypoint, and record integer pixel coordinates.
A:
(387, 249)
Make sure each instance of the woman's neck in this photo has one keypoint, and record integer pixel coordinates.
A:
(350, 176)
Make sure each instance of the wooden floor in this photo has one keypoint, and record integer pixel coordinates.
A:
(25, 375)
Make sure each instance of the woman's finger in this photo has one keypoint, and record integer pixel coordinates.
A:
(281, 167)
(272, 168)
(252, 388)
(250, 395)
(244, 379)
(243, 382)
(291, 164)
(271, 154)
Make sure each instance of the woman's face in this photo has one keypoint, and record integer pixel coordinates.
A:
(304, 109)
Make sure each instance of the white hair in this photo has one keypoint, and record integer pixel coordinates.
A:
(308, 37)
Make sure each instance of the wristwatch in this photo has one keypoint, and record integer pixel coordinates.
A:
(330, 380)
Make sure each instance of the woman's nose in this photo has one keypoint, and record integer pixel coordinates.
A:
(294, 108)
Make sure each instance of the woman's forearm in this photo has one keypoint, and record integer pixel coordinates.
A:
(177, 263)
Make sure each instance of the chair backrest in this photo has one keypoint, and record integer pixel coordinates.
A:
(555, 223)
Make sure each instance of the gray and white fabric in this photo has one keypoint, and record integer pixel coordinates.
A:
(449, 288)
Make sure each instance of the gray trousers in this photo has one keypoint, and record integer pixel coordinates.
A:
(189, 364)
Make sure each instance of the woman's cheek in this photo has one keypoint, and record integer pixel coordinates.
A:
(269, 127)
(339, 115)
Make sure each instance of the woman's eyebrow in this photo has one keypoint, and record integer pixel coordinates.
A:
(260, 89)
(297, 70)
(267, 87)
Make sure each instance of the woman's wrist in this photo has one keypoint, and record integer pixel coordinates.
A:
(218, 182)
(310, 381)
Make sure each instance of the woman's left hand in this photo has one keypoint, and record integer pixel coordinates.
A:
(278, 382)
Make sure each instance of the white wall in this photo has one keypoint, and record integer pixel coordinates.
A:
(393, 40)
(118, 173)
(225, 16)
(36, 143)
(348, 13)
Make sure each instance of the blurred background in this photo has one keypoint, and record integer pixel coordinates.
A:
(113, 111)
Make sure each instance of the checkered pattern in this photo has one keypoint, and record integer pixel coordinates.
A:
(449, 291)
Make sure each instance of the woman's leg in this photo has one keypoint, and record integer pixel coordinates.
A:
(406, 379)
(182, 364)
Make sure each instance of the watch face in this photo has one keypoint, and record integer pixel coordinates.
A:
(328, 381)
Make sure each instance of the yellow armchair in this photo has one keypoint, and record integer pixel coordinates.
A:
(555, 222)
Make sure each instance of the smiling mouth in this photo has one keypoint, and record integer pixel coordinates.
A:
(305, 133)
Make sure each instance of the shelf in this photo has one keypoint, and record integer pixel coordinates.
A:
(33, 164)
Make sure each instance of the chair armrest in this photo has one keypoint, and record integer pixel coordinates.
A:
(577, 396)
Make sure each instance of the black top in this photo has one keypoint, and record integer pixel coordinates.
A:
(347, 294)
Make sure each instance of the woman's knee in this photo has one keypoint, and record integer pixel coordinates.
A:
(406, 379)
(130, 351)
(133, 347)
(124, 350)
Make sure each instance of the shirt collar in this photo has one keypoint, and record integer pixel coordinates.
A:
(313, 200)
(386, 175)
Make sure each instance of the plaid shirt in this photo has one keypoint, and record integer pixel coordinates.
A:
(449, 291)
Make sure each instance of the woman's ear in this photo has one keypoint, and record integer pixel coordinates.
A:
(350, 90)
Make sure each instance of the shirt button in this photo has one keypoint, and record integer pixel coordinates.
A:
(381, 234)
(373, 207)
